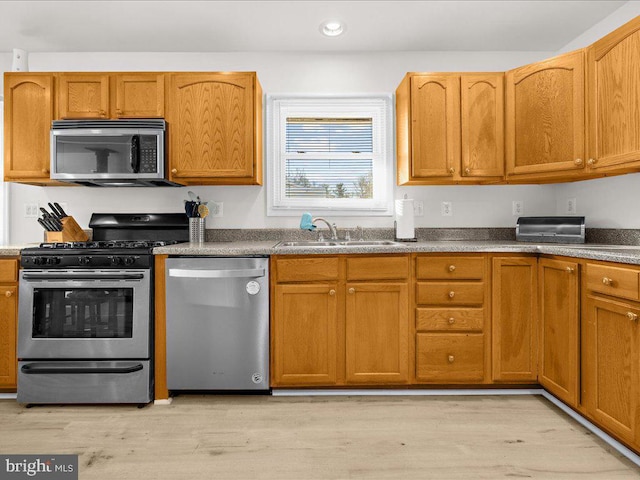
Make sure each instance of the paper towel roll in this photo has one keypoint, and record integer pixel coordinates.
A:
(405, 228)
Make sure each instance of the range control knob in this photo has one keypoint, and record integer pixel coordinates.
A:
(53, 260)
(38, 261)
(84, 260)
(129, 260)
(116, 260)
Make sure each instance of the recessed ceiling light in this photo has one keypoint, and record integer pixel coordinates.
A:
(332, 28)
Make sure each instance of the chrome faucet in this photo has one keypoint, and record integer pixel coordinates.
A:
(332, 227)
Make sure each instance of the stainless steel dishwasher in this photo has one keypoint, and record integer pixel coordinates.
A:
(217, 323)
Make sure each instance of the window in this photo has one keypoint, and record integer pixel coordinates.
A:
(329, 154)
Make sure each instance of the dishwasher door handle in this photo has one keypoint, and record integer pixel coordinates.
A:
(248, 272)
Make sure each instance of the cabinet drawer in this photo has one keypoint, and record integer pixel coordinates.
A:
(307, 269)
(615, 281)
(450, 293)
(439, 268)
(449, 319)
(8, 270)
(377, 268)
(445, 357)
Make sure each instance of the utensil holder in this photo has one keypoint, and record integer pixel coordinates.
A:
(196, 230)
(71, 232)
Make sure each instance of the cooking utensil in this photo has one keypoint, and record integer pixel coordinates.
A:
(44, 225)
(203, 210)
(192, 195)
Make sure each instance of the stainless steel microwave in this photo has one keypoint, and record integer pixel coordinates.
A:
(109, 153)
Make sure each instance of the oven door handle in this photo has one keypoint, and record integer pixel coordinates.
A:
(83, 276)
(34, 368)
(243, 273)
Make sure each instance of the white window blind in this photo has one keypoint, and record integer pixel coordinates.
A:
(329, 154)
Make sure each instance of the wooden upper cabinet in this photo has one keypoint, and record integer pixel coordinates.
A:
(215, 128)
(28, 113)
(139, 95)
(482, 122)
(450, 128)
(83, 95)
(545, 119)
(613, 100)
(435, 125)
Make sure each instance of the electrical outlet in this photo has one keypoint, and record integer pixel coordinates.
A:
(446, 209)
(517, 208)
(418, 208)
(31, 210)
(572, 207)
(215, 209)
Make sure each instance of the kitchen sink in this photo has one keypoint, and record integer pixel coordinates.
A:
(338, 243)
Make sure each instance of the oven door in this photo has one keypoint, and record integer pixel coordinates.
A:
(84, 314)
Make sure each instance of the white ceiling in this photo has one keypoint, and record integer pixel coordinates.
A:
(281, 26)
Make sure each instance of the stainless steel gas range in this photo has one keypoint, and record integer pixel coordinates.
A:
(85, 314)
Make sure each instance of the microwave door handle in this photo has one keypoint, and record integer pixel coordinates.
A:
(135, 153)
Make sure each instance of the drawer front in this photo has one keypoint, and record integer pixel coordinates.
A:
(459, 268)
(450, 293)
(449, 319)
(308, 269)
(8, 270)
(449, 357)
(377, 268)
(615, 281)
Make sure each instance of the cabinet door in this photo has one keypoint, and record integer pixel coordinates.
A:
(559, 325)
(28, 113)
(8, 327)
(212, 128)
(139, 95)
(435, 126)
(482, 120)
(610, 390)
(514, 325)
(84, 95)
(614, 98)
(545, 117)
(305, 335)
(377, 333)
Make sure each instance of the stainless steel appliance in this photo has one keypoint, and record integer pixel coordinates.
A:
(551, 229)
(85, 314)
(217, 323)
(111, 153)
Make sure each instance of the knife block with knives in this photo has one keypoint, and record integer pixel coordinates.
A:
(71, 232)
(60, 227)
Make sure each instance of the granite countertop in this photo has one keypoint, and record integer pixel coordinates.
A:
(14, 250)
(612, 253)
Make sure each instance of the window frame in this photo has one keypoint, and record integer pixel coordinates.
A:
(377, 106)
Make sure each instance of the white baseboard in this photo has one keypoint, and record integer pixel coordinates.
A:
(163, 401)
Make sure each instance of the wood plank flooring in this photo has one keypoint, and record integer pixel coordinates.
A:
(221, 437)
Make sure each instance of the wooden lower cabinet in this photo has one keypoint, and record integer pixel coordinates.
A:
(8, 323)
(611, 366)
(558, 360)
(329, 331)
(377, 333)
(514, 319)
(450, 357)
(305, 334)
(452, 332)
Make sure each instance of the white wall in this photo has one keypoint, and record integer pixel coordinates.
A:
(607, 202)
(245, 207)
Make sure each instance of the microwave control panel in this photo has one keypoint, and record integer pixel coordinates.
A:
(148, 154)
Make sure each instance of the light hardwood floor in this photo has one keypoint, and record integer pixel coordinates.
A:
(219, 437)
